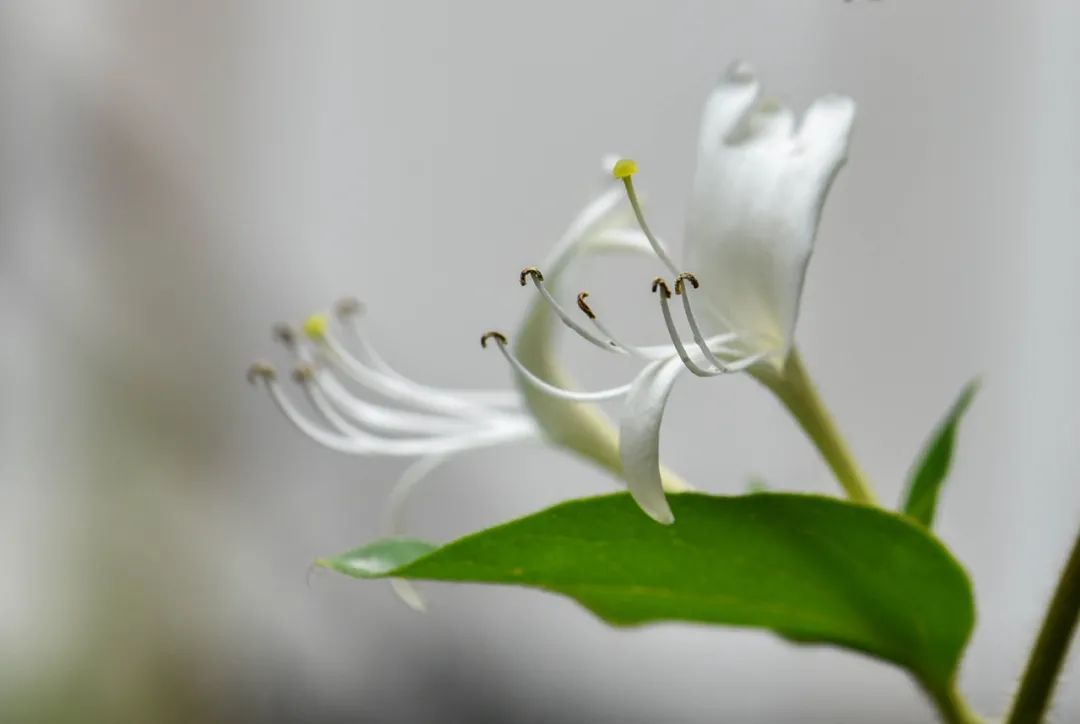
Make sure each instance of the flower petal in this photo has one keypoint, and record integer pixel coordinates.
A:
(727, 106)
(576, 426)
(639, 436)
(769, 121)
(755, 208)
(579, 427)
(825, 129)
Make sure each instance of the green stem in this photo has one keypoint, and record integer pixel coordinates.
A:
(951, 706)
(1047, 657)
(796, 390)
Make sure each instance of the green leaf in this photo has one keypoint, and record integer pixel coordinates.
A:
(927, 476)
(378, 559)
(810, 568)
(757, 485)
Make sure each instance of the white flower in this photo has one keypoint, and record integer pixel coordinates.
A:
(760, 185)
(336, 363)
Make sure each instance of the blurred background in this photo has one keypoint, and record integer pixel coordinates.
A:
(176, 177)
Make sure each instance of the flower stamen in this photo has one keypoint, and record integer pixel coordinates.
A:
(538, 280)
(370, 416)
(260, 371)
(304, 375)
(349, 311)
(665, 294)
(356, 444)
(649, 352)
(546, 387)
(685, 277)
(393, 387)
(378, 418)
(695, 330)
(584, 306)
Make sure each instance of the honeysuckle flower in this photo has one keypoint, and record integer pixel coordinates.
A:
(758, 192)
(338, 371)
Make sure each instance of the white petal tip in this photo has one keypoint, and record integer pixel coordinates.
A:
(827, 125)
(830, 112)
(739, 72)
(407, 594)
(839, 104)
(659, 511)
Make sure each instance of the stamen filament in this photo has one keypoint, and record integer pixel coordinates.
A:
(349, 312)
(665, 294)
(651, 352)
(370, 414)
(538, 281)
(405, 447)
(695, 330)
(379, 418)
(546, 387)
(304, 376)
(400, 389)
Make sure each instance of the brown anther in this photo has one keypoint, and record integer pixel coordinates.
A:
(585, 307)
(497, 336)
(531, 271)
(349, 307)
(285, 334)
(659, 283)
(260, 371)
(303, 374)
(687, 276)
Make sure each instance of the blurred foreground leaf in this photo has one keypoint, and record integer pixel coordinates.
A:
(812, 569)
(933, 465)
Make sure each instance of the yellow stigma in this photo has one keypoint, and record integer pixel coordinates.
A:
(315, 326)
(624, 168)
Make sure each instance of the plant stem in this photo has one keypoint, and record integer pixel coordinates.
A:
(951, 706)
(1047, 657)
(793, 386)
(796, 390)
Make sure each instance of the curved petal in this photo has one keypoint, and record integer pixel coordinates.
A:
(825, 128)
(579, 427)
(755, 208)
(639, 436)
(727, 106)
(394, 524)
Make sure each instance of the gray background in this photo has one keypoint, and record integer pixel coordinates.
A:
(174, 177)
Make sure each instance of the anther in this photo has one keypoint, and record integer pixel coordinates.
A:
(583, 306)
(531, 271)
(687, 276)
(659, 283)
(303, 374)
(285, 334)
(260, 371)
(624, 168)
(349, 307)
(497, 336)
